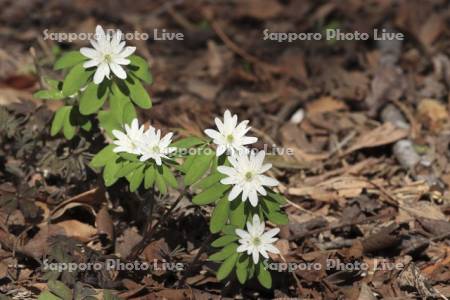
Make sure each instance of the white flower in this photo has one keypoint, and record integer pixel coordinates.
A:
(131, 139)
(255, 241)
(246, 174)
(230, 136)
(154, 147)
(108, 55)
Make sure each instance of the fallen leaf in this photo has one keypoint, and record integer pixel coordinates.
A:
(382, 135)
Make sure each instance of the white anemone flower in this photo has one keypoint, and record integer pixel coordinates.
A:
(130, 140)
(109, 54)
(246, 176)
(255, 241)
(154, 147)
(230, 135)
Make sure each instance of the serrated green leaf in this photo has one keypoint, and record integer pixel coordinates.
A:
(200, 164)
(264, 276)
(60, 289)
(219, 215)
(229, 229)
(108, 122)
(169, 177)
(69, 59)
(224, 240)
(137, 93)
(241, 268)
(227, 251)
(226, 267)
(110, 171)
(69, 128)
(209, 181)
(105, 155)
(160, 183)
(127, 168)
(136, 178)
(93, 98)
(75, 80)
(188, 142)
(150, 175)
(237, 214)
(277, 217)
(187, 164)
(140, 68)
(48, 296)
(277, 197)
(59, 119)
(49, 95)
(210, 195)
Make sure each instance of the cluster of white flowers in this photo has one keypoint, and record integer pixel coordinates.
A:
(109, 54)
(247, 168)
(148, 144)
(246, 176)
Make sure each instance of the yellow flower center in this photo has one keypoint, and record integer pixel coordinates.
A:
(256, 241)
(108, 58)
(248, 176)
(230, 138)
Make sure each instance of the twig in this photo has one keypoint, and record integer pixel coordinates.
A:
(148, 234)
(239, 51)
(195, 260)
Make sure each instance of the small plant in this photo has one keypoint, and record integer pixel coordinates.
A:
(109, 74)
(219, 169)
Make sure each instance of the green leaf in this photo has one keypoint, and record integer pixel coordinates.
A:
(210, 195)
(169, 177)
(127, 168)
(140, 68)
(227, 251)
(75, 80)
(160, 183)
(69, 59)
(237, 215)
(229, 229)
(264, 276)
(200, 166)
(110, 171)
(188, 142)
(93, 98)
(219, 215)
(136, 178)
(60, 289)
(108, 122)
(187, 164)
(277, 197)
(59, 119)
(241, 268)
(49, 95)
(102, 157)
(226, 267)
(129, 113)
(210, 180)
(137, 93)
(47, 296)
(224, 240)
(277, 217)
(68, 128)
(150, 175)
